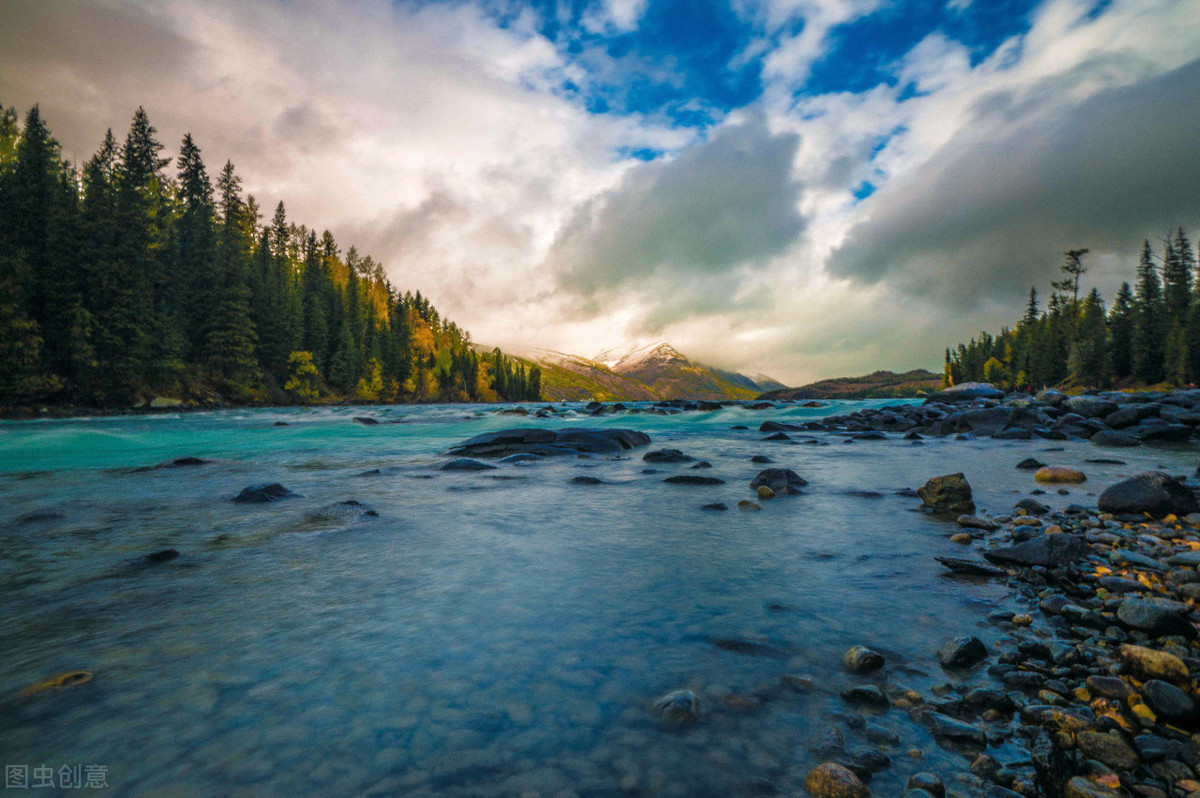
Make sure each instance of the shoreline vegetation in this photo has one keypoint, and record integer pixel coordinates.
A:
(1150, 335)
(122, 285)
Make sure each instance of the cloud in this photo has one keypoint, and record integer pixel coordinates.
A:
(993, 211)
(480, 149)
(727, 203)
(614, 15)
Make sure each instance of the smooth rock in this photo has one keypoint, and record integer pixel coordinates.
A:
(1147, 663)
(1056, 475)
(779, 480)
(962, 652)
(948, 493)
(1111, 749)
(677, 708)
(1167, 700)
(667, 456)
(860, 659)
(1152, 492)
(1048, 551)
(928, 782)
(692, 479)
(466, 464)
(831, 780)
(1156, 616)
(264, 494)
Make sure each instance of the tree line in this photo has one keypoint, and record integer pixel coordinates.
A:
(122, 281)
(1149, 336)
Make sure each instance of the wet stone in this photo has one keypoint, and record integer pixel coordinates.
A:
(831, 780)
(961, 653)
(860, 659)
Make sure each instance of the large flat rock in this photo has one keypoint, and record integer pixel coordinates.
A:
(534, 440)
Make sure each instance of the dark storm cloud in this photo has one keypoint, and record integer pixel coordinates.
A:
(76, 58)
(721, 205)
(987, 217)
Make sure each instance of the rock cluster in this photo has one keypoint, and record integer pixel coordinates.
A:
(981, 410)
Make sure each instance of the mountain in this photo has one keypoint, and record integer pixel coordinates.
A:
(579, 379)
(672, 375)
(653, 372)
(876, 385)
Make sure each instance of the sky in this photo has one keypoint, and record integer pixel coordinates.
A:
(801, 188)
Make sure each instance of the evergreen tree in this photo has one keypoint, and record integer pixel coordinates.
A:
(192, 296)
(1177, 282)
(1031, 309)
(1149, 329)
(230, 340)
(121, 283)
(1120, 332)
(1072, 269)
(1088, 361)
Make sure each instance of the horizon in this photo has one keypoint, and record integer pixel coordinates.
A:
(804, 190)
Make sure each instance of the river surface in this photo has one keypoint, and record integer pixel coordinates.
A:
(488, 633)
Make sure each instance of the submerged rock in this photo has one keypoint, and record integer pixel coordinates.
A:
(667, 456)
(692, 479)
(949, 493)
(860, 659)
(184, 462)
(465, 464)
(264, 494)
(677, 708)
(779, 480)
(38, 516)
(1153, 492)
(533, 440)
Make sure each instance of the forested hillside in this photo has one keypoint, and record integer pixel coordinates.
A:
(139, 276)
(1150, 334)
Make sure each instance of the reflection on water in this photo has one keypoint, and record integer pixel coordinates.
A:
(487, 633)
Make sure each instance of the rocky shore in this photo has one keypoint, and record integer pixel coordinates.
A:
(1095, 681)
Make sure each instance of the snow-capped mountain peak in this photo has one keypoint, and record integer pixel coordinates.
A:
(626, 359)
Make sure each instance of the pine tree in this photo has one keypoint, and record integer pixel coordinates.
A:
(1149, 329)
(1088, 361)
(1072, 269)
(1120, 332)
(192, 296)
(1031, 308)
(230, 340)
(1177, 283)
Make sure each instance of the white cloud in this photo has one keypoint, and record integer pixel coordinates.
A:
(620, 16)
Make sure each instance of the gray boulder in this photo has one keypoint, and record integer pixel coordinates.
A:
(533, 440)
(967, 392)
(1153, 492)
(780, 480)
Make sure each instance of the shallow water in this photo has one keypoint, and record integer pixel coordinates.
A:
(489, 633)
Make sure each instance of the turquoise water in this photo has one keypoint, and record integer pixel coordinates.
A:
(488, 633)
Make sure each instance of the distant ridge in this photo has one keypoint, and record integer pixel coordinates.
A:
(653, 372)
(876, 385)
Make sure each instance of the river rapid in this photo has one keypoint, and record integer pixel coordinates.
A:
(497, 632)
